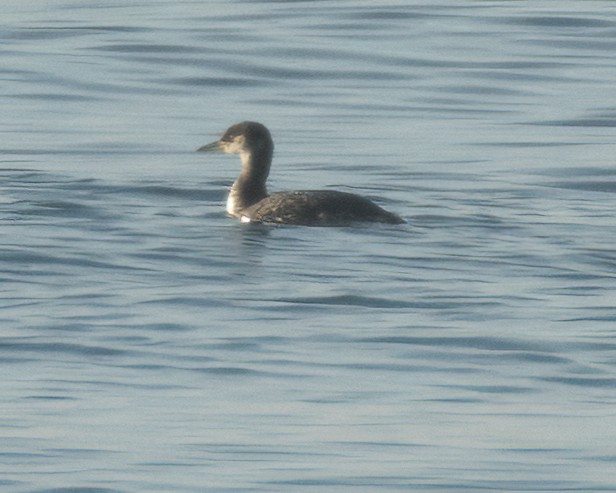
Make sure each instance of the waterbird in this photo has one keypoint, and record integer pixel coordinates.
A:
(248, 198)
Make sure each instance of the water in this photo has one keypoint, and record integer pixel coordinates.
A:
(150, 343)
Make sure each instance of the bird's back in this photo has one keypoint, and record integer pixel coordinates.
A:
(317, 208)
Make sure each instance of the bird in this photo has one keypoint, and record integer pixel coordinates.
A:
(249, 200)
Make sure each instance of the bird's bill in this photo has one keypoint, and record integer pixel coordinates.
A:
(211, 147)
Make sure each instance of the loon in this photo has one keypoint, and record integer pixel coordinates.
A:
(248, 198)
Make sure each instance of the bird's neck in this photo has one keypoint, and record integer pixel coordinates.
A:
(249, 187)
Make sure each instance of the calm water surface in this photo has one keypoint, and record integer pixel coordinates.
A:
(149, 342)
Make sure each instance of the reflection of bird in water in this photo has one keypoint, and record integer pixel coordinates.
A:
(248, 198)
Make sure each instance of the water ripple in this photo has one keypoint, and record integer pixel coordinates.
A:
(143, 329)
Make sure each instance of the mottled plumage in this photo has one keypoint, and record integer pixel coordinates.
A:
(317, 207)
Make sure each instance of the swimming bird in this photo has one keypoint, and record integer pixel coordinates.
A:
(248, 198)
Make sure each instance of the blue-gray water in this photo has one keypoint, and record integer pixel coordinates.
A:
(149, 342)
